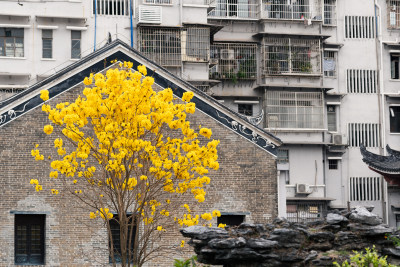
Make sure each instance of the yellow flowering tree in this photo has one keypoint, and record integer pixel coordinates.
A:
(129, 154)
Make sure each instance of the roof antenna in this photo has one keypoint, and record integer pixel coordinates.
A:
(20, 3)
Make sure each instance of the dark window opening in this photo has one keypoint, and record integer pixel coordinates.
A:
(76, 44)
(245, 109)
(283, 155)
(333, 164)
(331, 118)
(29, 239)
(394, 119)
(116, 237)
(231, 220)
(47, 43)
(394, 66)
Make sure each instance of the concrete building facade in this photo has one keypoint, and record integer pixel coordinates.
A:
(322, 75)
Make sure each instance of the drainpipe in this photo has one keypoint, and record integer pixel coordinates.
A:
(131, 23)
(95, 24)
(181, 24)
(381, 101)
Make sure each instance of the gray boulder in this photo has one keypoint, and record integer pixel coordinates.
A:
(203, 233)
(363, 216)
(333, 218)
(227, 243)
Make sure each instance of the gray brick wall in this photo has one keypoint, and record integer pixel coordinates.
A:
(245, 182)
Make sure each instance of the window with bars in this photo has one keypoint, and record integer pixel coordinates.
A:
(359, 27)
(234, 61)
(235, 9)
(305, 211)
(245, 109)
(157, 2)
(11, 42)
(47, 43)
(283, 155)
(330, 12)
(286, 56)
(116, 239)
(333, 164)
(297, 110)
(111, 7)
(367, 134)
(75, 44)
(361, 81)
(330, 61)
(195, 44)
(332, 120)
(169, 46)
(292, 9)
(29, 239)
(365, 189)
(393, 14)
(394, 113)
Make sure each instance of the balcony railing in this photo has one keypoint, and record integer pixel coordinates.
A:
(292, 9)
(233, 61)
(235, 9)
(287, 56)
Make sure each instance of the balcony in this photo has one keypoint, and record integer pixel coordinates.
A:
(233, 61)
(235, 9)
(289, 56)
(291, 10)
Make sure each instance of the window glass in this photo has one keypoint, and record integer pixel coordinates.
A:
(29, 239)
(47, 43)
(75, 44)
(11, 42)
(116, 239)
(394, 66)
(333, 164)
(331, 118)
(394, 119)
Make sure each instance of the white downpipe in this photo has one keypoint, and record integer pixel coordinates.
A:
(382, 111)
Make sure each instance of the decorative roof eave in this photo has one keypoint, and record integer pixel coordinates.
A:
(293, 35)
(100, 60)
(387, 166)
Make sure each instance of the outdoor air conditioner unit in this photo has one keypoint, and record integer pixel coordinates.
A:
(303, 189)
(227, 54)
(338, 139)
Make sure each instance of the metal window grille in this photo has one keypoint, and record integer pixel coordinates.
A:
(111, 7)
(359, 27)
(305, 211)
(285, 56)
(367, 134)
(245, 109)
(295, 110)
(329, 64)
(9, 92)
(75, 44)
(47, 43)
(331, 115)
(234, 61)
(292, 9)
(161, 45)
(365, 189)
(395, 66)
(330, 12)
(333, 164)
(116, 237)
(195, 44)
(11, 42)
(204, 88)
(393, 14)
(283, 155)
(235, 9)
(157, 2)
(361, 81)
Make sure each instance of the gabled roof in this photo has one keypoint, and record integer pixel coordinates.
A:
(99, 60)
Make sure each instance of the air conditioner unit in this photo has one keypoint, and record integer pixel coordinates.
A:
(227, 54)
(338, 139)
(150, 14)
(303, 189)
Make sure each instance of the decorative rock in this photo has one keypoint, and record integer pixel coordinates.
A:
(313, 254)
(334, 218)
(392, 251)
(227, 243)
(370, 230)
(322, 237)
(202, 233)
(261, 243)
(363, 216)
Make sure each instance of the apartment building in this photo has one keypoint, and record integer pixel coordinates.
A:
(322, 75)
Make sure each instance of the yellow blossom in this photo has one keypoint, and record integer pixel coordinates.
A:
(44, 95)
(205, 132)
(54, 191)
(48, 129)
(206, 216)
(187, 96)
(221, 225)
(182, 243)
(216, 213)
(142, 69)
(92, 215)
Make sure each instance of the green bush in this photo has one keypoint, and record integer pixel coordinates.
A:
(368, 259)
